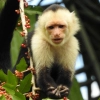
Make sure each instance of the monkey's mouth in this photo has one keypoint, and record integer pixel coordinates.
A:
(57, 40)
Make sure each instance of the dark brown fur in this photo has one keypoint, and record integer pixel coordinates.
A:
(54, 8)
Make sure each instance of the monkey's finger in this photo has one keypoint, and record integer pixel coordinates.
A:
(65, 87)
(54, 91)
(58, 93)
(65, 94)
(64, 90)
(50, 88)
(60, 87)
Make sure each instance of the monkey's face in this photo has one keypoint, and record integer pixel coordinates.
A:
(56, 31)
(58, 26)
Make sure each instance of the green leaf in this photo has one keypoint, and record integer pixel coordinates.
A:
(15, 45)
(12, 91)
(99, 99)
(18, 96)
(2, 98)
(3, 76)
(9, 88)
(25, 84)
(22, 65)
(75, 93)
(11, 78)
(30, 10)
(2, 3)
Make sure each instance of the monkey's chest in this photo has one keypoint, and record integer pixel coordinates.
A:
(55, 71)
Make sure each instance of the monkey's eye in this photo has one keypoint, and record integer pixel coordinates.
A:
(61, 26)
(50, 27)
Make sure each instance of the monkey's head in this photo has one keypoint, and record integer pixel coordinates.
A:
(57, 24)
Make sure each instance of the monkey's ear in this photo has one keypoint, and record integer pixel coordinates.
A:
(41, 22)
(74, 25)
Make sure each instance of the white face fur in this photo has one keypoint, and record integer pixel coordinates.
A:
(58, 26)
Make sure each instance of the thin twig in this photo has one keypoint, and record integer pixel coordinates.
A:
(26, 32)
(22, 14)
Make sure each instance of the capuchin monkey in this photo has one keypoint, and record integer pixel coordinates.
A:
(54, 50)
(8, 20)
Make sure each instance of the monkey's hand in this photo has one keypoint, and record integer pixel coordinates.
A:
(53, 92)
(64, 90)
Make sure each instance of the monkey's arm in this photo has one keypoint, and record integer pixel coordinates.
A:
(64, 81)
(8, 20)
(46, 83)
(64, 77)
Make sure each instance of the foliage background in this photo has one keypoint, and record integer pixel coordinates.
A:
(15, 47)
